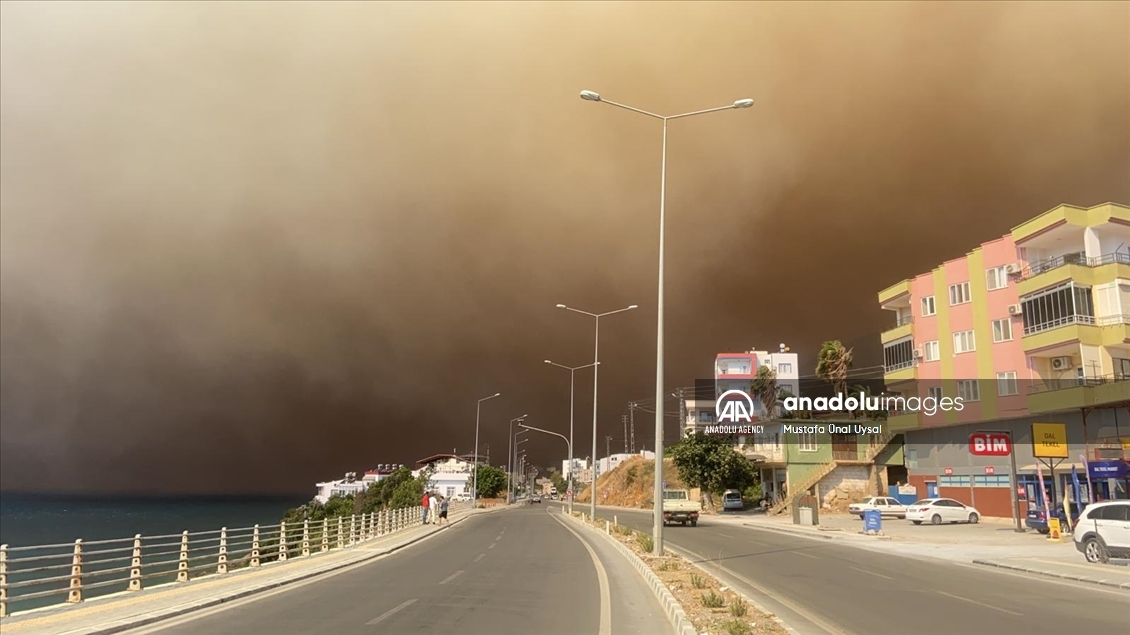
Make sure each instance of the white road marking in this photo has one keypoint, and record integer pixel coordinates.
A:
(452, 576)
(806, 555)
(389, 613)
(602, 578)
(988, 606)
(873, 573)
(479, 557)
(492, 545)
(718, 533)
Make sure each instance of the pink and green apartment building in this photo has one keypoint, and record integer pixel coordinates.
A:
(1032, 327)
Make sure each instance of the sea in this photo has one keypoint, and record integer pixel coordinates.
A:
(31, 520)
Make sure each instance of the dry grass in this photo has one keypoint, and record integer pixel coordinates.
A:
(713, 608)
(630, 484)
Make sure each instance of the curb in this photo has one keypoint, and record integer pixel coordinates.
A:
(266, 586)
(1052, 574)
(671, 606)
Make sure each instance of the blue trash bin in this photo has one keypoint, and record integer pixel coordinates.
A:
(872, 521)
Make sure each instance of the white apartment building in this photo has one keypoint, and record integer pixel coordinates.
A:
(699, 413)
(578, 465)
(451, 475)
(785, 363)
(342, 487)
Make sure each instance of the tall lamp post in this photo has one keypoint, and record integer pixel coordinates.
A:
(510, 458)
(567, 442)
(572, 372)
(595, 374)
(475, 468)
(657, 512)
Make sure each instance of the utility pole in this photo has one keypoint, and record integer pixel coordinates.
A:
(632, 423)
(682, 413)
(624, 418)
(608, 446)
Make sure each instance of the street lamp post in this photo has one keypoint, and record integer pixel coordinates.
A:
(567, 442)
(475, 461)
(595, 375)
(657, 511)
(511, 479)
(572, 372)
(510, 455)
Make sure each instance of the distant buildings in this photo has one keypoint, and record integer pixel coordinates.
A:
(342, 487)
(451, 475)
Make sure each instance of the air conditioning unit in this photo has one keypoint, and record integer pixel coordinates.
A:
(1014, 309)
(918, 353)
(1013, 268)
(1061, 363)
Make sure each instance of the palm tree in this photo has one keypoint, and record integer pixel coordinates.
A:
(766, 390)
(833, 363)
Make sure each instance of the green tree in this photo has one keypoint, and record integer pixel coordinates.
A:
(712, 464)
(833, 363)
(559, 481)
(407, 494)
(766, 390)
(491, 480)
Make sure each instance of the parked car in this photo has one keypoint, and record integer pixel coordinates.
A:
(535, 499)
(1037, 518)
(1103, 531)
(885, 506)
(941, 510)
(732, 499)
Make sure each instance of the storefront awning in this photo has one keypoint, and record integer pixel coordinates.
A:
(1059, 469)
(1098, 469)
(756, 458)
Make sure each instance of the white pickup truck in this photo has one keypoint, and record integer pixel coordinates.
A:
(679, 508)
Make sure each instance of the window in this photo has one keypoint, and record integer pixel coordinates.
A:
(996, 278)
(935, 393)
(995, 480)
(1067, 304)
(807, 442)
(784, 369)
(969, 390)
(951, 481)
(1002, 330)
(898, 355)
(964, 342)
(959, 293)
(928, 305)
(705, 416)
(912, 458)
(1006, 384)
(930, 351)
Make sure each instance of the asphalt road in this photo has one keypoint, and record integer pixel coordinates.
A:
(514, 571)
(821, 587)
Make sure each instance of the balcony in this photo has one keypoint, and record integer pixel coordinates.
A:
(904, 371)
(1064, 330)
(903, 328)
(907, 420)
(1055, 395)
(1074, 266)
(1109, 449)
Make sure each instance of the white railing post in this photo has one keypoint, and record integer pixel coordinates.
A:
(135, 565)
(282, 542)
(366, 525)
(306, 537)
(340, 535)
(75, 593)
(353, 529)
(255, 546)
(182, 560)
(325, 534)
(3, 580)
(222, 559)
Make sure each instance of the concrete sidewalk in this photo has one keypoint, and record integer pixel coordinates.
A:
(124, 611)
(1111, 575)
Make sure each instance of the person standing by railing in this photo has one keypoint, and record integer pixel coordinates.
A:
(426, 505)
(433, 504)
(443, 511)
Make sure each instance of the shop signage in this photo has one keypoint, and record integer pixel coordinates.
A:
(990, 469)
(949, 471)
(989, 444)
(1109, 469)
(1049, 441)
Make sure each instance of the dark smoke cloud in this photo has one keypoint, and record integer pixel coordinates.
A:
(247, 246)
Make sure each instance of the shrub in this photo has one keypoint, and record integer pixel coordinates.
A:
(644, 541)
(698, 581)
(712, 600)
(739, 608)
(736, 627)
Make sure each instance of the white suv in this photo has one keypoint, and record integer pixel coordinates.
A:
(1103, 531)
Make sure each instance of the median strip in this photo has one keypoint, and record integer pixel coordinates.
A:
(694, 601)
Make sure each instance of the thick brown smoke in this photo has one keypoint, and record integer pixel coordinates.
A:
(247, 246)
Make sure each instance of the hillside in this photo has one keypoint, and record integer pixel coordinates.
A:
(630, 484)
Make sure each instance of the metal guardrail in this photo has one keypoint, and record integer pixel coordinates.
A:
(130, 564)
(1079, 258)
(901, 365)
(1047, 385)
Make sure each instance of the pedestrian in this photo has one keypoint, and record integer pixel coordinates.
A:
(426, 504)
(434, 504)
(443, 511)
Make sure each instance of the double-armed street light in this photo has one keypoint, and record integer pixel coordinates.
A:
(572, 372)
(510, 456)
(475, 461)
(657, 512)
(595, 375)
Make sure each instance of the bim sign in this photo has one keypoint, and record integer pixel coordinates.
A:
(987, 444)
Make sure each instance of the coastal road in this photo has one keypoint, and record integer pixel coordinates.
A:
(821, 587)
(515, 571)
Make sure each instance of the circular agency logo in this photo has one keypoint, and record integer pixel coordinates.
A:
(734, 406)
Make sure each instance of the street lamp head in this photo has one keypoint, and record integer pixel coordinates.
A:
(497, 394)
(588, 95)
(548, 362)
(634, 306)
(743, 103)
(561, 306)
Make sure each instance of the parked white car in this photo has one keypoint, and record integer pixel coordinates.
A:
(941, 510)
(882, 504)
(1103, 531)
(732, 499)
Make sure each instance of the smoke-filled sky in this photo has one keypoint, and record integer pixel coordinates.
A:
(249, 246)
